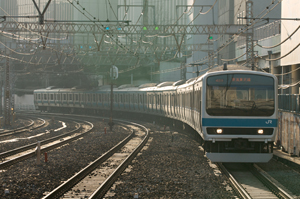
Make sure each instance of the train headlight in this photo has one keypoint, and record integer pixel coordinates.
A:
(260, 131)
(219, 131)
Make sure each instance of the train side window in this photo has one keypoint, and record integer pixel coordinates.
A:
(94, 97)
(76, 97)
(45, 96)
(58, 97)
(70, 97)
(99, 97)
(39, 96)
(88, 97)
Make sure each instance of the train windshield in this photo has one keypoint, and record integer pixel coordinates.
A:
(240, 95)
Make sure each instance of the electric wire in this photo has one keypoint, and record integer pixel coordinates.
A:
(35, 34)
(242, 31)
(283, 55)
(56, 39)
(16, 51)
(268, 47)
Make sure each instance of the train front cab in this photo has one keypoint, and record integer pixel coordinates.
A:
(239, 118)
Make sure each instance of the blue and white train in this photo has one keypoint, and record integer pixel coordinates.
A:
(234, 111)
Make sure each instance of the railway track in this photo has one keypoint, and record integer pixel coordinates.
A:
(249, 182)
(31, 126)
(22, 153)
(95, 180)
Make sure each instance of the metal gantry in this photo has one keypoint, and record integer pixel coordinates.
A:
(163, 30)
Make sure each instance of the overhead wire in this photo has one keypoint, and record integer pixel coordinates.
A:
(242, 31)
(31, 39)
(56, 39)
(268, 47)
(16, 59)
(16, 51)
(284, 55)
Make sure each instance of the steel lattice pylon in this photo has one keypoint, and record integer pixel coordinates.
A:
(249, 36)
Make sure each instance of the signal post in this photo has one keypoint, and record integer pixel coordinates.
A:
(113, 75)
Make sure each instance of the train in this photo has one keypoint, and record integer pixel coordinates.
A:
(233, 110)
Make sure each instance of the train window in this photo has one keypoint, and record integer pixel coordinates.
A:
(70, 97)
(200, 99)
(39, 96)
(64, 97)
(240, 95)
(45, 96)
(88, 97)
(94, 97)
(76, 97)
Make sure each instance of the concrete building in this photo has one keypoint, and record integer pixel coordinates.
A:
(232, 11)
(204, 12)
(290, 63)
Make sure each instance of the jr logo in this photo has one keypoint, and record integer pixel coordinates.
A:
(269, 122)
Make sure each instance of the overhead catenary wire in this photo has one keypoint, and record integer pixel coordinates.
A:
(117, 42)
(268, 47)
(30, 40)
(56, 39)
(16, 51)
(283, 55)
(242, 31)
(16, 59)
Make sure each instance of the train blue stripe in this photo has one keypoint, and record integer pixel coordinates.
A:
(239, 122)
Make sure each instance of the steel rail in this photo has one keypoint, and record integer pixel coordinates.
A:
(280, 193)
(9, 132)
(85, 171)
(31, 154)
(238, 189)
(31, 146)
(105, 186)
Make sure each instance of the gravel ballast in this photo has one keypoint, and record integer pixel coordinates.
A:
(171, 165)
(28, 180)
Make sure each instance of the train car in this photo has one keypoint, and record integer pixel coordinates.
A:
(239, 115)
(234, 111)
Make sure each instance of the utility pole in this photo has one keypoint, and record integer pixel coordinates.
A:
(145, 13)
(7, 98)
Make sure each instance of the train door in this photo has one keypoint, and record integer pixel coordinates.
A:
(70, 99)
(76, 99)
